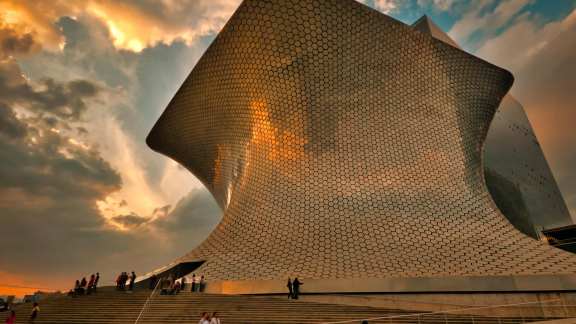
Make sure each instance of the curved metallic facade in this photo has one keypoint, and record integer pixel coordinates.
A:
(341, 143)
(517, 173)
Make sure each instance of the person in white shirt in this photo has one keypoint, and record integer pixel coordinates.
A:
(205, 319)
(215, 319)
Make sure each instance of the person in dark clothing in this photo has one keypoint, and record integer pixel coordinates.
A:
(90, 284)
(289, 285)
(35, 311)
(132, 279)
(201, 284)
(11, 318)
(83, 286)
(123, 279)
(153, 282)
(77, 288)
(95, 285)
(296, 287)
(193, 283)
(183, 283)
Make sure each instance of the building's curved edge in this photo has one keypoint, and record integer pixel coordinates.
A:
(484, 284)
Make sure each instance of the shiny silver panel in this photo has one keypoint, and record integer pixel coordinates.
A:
(341, 143)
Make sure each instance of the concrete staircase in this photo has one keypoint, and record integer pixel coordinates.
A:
(119, 307)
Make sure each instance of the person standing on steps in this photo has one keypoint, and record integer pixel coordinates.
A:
(83, 285)
(289, 285)
(193, 282)
(215, 319)
(90, 284)
(95, 285)
(11, 318)
(201, 284)
(77, 288)
(296, 287)
(35, 311)
(132, 279)
(205, 319)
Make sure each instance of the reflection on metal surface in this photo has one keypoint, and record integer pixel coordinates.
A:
(517, 173)
(341, 143)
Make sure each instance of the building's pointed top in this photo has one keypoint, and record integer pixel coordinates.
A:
(427, 26)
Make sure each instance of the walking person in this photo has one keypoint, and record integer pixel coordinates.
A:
(296, 287)
(132, 279)
(289, 285)
(35, 311)
(193, 283)
(11, 319)
(215, 319)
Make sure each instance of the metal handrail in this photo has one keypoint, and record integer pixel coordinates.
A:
(442, 312)
(147, 301)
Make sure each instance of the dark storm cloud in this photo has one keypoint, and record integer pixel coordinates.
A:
(14, 43)
(197, 211)
(130, 220)
(61, 99)
(50, 186)
(10, 126)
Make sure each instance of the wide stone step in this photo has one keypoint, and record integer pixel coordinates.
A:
(120, 307)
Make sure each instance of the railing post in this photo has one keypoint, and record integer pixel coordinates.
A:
(147, 301)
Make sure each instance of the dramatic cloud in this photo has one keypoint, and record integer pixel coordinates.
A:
(442, 5)
(133, 25)
(14, 42)
(479, 18)
(80, 192)
(386, 6)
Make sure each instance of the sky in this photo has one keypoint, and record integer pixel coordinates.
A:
(83, 81)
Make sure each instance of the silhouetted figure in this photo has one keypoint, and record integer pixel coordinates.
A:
(153, 282)
(123, 279)
(175, 289)
(183, 283)
(364, 322)
(95, 285)
(90, 284)
(11, 318)
(193, 289)
(201, 284)
(289, 285)
(35, 311)
(118, 281)
(132, 279)
(83, 285)
(77, 288)
(296, 287)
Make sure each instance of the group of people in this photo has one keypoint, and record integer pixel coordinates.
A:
(293, 288)
(82, 286)
(11, 319)
(209, 319)
(171, 286)
(123, 278)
